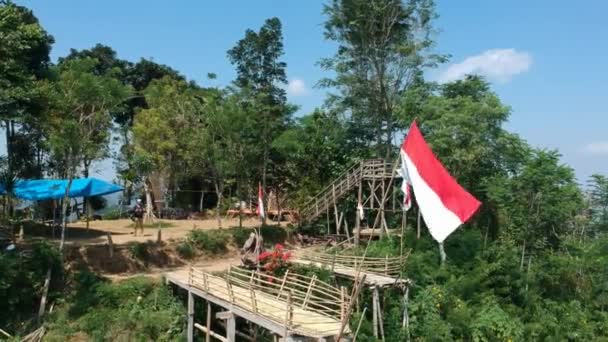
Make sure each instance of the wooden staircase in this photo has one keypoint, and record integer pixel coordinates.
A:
(367, 170)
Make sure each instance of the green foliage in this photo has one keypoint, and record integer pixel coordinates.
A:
(22, 276)
(135, 309)
(212, 242)
(185, 250)
(139, 250)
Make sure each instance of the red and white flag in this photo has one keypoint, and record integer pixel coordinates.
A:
(260, 209)
(443, 203)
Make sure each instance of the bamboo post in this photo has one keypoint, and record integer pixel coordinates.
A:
(375, 312)
(287, 315)
(110, 244)
(406, 316)
(386, 265)
(208, 335)
(205, 282)
(380, 317)
(342, 308)
(231, 329)
(359, 324)
(442, 253)
(190, 316)
(310, 286)
(357, 218)
(283, 284)
(230, 293)
(253, 301)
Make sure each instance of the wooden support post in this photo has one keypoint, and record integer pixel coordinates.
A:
(288, 315)
(327, 212)
(359, 325)
(283, 284)
(375, 308)
(406, 316)
(110, 244)
(190, 316)
(418, 225)
(357, 218)
(231, 329)
(346, 228)
(308, 292)
(230, 292)
(342, 304)
(380, 317)
(208, 332)
(254, 303)
(159, 237)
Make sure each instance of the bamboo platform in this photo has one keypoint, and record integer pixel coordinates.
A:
(292, 305)
(381, 272)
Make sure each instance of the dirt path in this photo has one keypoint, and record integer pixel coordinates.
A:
(209, 265)
(122, 230)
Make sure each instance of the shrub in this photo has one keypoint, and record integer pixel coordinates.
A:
(213, 242)
(139, 250)
(240, 235)
(185, 250)
(273, 234)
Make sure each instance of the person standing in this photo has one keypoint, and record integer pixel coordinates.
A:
(138, 214)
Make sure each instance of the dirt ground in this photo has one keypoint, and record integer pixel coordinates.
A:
(122, 230)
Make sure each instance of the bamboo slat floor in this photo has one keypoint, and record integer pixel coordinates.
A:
(371, 279)
(257, 303)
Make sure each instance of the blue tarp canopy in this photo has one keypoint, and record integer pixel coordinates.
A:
(46, 189)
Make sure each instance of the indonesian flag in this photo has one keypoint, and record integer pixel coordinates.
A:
(443, 203)
(260, 209)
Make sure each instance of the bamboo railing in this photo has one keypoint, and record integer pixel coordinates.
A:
(348, 180)
(388, 266)
(301, 303)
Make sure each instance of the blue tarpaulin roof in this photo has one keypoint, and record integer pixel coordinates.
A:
(46, 189)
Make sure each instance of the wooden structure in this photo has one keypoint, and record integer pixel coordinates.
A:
(292, 307)
(374, 181)
(379, 273)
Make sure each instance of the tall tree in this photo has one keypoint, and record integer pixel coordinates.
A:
(383, 48)
(24, 59)
(157, 130)
(260, 71)
(79, 120)
(598, 193)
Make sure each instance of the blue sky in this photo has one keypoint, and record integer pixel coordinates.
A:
(545, 58)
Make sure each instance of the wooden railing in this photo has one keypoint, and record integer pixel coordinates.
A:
(348, 180)
(389, 266)
(278, 298)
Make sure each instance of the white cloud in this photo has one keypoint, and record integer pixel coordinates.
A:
(496, 64)
(297, 87)
(597, 148)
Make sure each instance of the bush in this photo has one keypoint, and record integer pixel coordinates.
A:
(22, 275)
(139, 250)
(240, 235)
(273, 234)
(185, 250)
(137, 309)
(212, 242)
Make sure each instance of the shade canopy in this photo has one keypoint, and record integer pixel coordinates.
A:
(46, 189)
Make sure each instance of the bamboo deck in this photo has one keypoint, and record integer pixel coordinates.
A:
(380, 272)
(299, 309)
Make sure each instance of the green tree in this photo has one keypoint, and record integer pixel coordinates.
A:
(158, 129)
(598, 194)
(261, 73)
(24, 59)
(79, 120)
(383, 48)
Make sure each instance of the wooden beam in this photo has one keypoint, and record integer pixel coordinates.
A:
(231, 328)
(210, 333)
(223, 315)
(190, 317)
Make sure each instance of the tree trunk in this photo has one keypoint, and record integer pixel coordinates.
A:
(218, 191)
(149, 216)
(200, 203)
